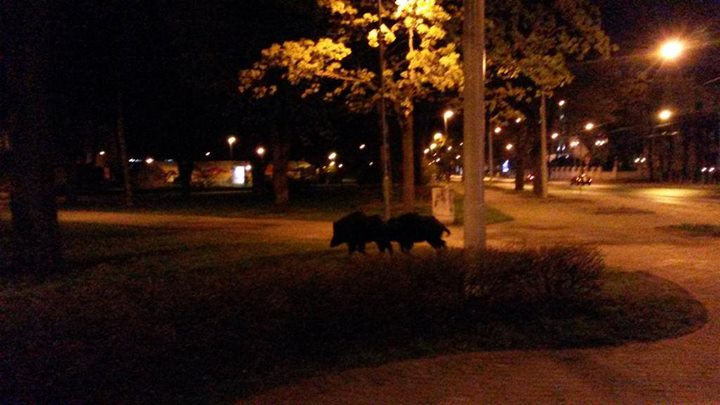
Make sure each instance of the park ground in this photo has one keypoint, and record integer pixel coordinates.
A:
(633, 227)
(637, 228)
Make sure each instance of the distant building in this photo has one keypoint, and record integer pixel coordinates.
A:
(206, 174)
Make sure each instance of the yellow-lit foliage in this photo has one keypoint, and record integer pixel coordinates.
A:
(423, 60)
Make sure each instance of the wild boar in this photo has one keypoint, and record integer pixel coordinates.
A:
(358, 229)
(407, 229)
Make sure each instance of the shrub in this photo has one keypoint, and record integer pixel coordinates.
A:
(106, 334)
(565, 274)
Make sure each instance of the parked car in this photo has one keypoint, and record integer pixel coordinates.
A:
(581, 180)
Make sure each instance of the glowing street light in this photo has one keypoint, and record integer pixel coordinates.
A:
(518, 120)
(433, 146)
(665, 114)
(260, 151)
(555, 135)
(362, 147)
(101, 153)
(509, 147)
(426, 151)
(438, 136)
(672, 49)
(498, 130)
(589, 126)
(207, 154)
(562, 103)
(231, 140)
(446, 116)
(149, 160)
(332, 156)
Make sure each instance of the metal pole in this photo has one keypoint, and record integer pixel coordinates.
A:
(385, 148)
(474, 118)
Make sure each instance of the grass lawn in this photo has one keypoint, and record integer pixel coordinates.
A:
(175, 315)
(697, 230)
(314, 203)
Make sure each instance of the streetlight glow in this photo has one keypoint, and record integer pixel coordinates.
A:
(498, 130)
(672, 49)
(519, 120)
(438, 136)
(509, 146)
(433, 146)
(562, 103)
(362, 147)
(448, 114)
(149, 160)
(231, 141)
(426, 151)
(555, 135)
(102, 153)
(665, 114)
(260, 151)
(332, 156)
(589, 126)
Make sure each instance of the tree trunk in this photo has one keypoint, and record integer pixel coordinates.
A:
(521, 158)
(541, 175)
(36, 238)
(122, 152)
(280, 163)
(408, 158)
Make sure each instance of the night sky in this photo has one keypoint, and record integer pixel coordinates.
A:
(175, 63)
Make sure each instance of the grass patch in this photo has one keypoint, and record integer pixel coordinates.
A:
(622, 210)
(310, 203)
(696, 230)
(172, 315)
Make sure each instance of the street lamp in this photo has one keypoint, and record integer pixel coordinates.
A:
(589, 126)
(438, 136)
(562, 103)
(555, 135)
(332, 156)
(231, 141)
(665, 114)
(498, 130)
(260, 151)
(446, 116)
(671, 50)
(509, 147)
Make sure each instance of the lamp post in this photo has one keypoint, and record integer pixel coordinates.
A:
(473, 45)
(231, 140)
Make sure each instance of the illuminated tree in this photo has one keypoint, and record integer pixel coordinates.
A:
(529, 46)
(421, 60)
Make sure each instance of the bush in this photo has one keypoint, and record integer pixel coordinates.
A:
(554, 275)
(114, 331)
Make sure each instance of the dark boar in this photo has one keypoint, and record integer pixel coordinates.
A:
(357, 229)
(412, 227)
